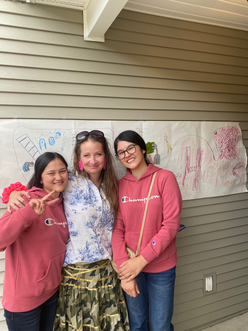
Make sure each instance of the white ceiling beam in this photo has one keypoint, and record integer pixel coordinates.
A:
(227, 13)
(98, 17)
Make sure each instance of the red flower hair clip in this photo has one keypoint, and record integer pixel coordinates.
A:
(13, 187)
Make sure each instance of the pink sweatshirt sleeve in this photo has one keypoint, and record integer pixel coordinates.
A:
(118, 242)
(12, 224)
(172, 205)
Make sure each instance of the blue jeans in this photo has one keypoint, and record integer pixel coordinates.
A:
(156, 299)
(38, 319)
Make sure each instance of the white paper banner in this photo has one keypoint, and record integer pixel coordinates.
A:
(207, 158)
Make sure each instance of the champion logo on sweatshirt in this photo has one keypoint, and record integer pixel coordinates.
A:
(127, 199)
(124, 199)
(50, 221)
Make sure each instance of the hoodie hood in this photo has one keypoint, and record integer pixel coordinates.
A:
(39, 193)
(150, 170)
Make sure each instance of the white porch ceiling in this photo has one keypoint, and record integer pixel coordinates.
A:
(226, 13)
(100, 14)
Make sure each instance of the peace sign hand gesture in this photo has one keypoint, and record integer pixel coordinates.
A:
(39, 205)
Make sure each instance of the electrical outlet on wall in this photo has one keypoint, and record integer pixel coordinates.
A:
(209, 283)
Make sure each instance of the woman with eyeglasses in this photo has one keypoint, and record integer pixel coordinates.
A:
(148, 279)
(90, 295)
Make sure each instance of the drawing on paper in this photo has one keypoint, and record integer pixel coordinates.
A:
(27, 166)
(168, 144)
(52, 141)
(198, 169)
(208, 159)
(29, 146)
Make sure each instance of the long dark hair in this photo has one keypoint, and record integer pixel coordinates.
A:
(132, 137)
(107, 176)
(40, 165)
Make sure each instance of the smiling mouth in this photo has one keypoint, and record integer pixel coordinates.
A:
(132, 159)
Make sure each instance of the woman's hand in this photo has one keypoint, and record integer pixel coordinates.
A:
(131, 288)
(39, 205)
(131, 268)
(16, 200)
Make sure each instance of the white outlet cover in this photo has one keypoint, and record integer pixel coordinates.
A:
(209, 284)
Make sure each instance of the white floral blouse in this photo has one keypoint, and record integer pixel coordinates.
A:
(90, 222)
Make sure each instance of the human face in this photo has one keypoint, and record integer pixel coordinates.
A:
(54, 177)
(92, 157)
(134, 161)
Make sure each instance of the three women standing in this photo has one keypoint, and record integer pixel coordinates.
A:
(90, 295)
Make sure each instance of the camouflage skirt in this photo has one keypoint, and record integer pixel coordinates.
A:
(91, 298)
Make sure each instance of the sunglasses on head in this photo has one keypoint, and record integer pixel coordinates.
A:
(85, 134)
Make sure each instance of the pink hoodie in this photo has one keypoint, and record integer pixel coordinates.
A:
(34, 255)
(162, 221)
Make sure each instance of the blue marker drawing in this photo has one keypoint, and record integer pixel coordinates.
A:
(28, 145)
(27, 165)
(42, 143)
(51, 141)
(57, 134)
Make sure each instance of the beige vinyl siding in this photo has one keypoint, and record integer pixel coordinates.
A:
(146, 64)
(149, 68)
(215, 240)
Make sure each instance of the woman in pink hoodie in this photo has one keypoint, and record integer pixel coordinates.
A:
(148, 279)
(35, 238)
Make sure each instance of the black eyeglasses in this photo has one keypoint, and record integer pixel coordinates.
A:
(85, 134)
(130, 150)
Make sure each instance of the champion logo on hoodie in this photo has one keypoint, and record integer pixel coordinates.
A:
(51, 221)
(124, 199)
(127, 199)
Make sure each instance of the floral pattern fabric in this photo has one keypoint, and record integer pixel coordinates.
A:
(90, 221)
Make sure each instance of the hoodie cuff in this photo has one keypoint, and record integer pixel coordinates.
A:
(120, 261)
(148, 255)
(27, 213)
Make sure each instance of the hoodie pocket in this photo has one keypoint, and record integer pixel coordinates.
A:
(52, 278)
